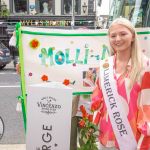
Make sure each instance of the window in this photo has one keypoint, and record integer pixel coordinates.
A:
(77, 6)
(20, 6)
(45, 7)
(67, 7)
(134, 10)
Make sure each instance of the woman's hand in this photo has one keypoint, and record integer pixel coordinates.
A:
(18, 68)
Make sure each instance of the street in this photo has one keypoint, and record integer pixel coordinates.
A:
(13, 120)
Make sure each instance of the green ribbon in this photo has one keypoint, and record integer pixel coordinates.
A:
(18, 25)
(20, 98)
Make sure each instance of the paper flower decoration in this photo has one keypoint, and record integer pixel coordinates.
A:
(67, 82)
(44, 78)
(34, 43)
(30, 74)
(74, 64)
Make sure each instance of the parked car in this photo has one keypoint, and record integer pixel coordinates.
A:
(5, 57)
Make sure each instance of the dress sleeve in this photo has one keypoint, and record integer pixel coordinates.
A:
(97, 102)
(143, 120)
(97, 95)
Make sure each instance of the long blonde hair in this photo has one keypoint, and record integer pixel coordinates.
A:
(136, 54)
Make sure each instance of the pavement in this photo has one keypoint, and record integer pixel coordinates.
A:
(10, 65)
(13, 147)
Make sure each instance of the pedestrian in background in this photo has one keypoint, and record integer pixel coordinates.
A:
(122, 91)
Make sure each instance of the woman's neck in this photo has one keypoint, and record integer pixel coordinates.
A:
(123, 56)
(122, 59)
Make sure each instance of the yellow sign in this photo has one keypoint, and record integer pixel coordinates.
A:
(45, 23)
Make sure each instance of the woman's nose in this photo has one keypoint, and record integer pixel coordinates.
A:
(118, 38)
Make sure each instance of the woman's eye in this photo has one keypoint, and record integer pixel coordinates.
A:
(113, 36)
(123, 34)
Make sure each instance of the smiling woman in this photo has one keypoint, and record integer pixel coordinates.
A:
(121, 38)
(122, 89)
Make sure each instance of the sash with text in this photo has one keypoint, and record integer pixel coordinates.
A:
(118, 118)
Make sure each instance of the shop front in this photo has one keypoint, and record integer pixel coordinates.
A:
(60, 14)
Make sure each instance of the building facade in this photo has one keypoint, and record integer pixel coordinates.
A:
(137, 11)
(66, 14)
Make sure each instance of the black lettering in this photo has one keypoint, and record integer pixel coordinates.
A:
(111, 99)
(44, 147)
(108, 91)
(47, 128)
(121, 126)
(106, 71)
(38, 104)
(106, 79)
(113, 105)
(116, 114)
(122, 132)
(118, 120)
(48, 137)
(107, 85)
(110, 95)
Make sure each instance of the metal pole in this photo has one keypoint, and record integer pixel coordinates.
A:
(95, 13)
(0, 8)
(72, 18)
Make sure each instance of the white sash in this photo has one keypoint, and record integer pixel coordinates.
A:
(120, 124)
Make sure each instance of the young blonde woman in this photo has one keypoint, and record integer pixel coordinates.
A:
(123, 91)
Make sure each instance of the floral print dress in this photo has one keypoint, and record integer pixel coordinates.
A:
(136, 102)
